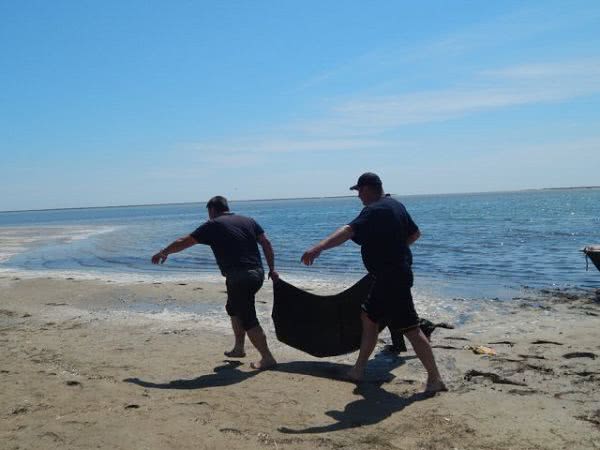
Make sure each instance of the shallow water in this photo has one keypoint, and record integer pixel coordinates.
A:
(474, 245)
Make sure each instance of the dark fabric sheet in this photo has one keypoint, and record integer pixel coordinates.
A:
(328, 325)
(321, 325)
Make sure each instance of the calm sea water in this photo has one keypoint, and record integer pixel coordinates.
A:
(473, 245)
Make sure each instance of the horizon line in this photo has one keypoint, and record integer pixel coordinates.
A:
(296, 198)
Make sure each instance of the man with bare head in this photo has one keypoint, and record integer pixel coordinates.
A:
(233, 239)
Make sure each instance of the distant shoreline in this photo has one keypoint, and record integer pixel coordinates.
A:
(143, 205)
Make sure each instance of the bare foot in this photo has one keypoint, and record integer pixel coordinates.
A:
(435, 386)
(235, 353)
(264, 364)
(354, 375)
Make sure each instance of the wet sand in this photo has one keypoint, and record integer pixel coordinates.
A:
(93, 364)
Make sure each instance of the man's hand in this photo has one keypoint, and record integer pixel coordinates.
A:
(160, 257)
(338, 237)
(310, 255)
(274, 276)
(413, 237)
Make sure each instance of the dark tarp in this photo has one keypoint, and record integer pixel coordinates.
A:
(328, 325)
(321, 325)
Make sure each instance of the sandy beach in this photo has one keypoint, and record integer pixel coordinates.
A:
(95, 364)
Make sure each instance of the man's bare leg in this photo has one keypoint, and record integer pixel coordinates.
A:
(240, 339)
(423, 350)
(259, 340)
(368, 341)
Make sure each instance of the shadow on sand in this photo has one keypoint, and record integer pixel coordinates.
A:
(228, 374)
(375, 405)
(224, 375)
(379, 368)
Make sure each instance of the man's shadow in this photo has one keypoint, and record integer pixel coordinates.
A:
(224, 375)
(228, 373)
(378, 371)
(376, 405)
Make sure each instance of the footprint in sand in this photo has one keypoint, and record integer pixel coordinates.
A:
(230, 430)
(592, 417)
(502, 342)
(586, 373)
(495, 378)
(523, 391)
(54, 436)
(542, 369)
(532, 356)
(19, 410)
(579, 355)
(572, 395)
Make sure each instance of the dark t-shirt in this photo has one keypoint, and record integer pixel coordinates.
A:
(382, 229)
(232, 239)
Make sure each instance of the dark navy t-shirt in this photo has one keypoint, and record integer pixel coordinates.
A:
(382, 229)
(233, 240)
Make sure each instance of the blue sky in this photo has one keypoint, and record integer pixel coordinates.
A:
(111, 103)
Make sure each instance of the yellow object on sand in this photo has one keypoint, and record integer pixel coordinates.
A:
(481, 350)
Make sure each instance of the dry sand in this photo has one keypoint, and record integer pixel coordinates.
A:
(88, 364)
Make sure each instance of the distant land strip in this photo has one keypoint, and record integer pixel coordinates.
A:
(145, 205)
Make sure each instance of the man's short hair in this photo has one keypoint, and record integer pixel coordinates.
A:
(218, 203)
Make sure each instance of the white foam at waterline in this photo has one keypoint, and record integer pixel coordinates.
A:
(6, 255)
(319, 286)
(17, 240)
(120, 278)
(85, 233)
(212, 320)
(457, 311)
(65, 231)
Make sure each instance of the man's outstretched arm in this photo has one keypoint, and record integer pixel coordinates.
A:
(265, 243)
(338, 237)
(174, 247)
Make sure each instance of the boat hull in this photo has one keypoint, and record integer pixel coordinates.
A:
(593, 253)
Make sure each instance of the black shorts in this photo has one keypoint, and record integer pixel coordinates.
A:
(241, 287)
(390, 301)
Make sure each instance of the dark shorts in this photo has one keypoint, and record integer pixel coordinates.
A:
(390, 302)
(241, 288)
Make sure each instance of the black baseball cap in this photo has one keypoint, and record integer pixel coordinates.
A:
(367, 179)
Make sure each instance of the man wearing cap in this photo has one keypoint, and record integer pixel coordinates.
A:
(384, 230)
(233, 239)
